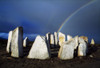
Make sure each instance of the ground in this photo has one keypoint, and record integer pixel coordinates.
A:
(92, 60)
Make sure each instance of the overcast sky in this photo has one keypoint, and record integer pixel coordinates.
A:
(42, 16)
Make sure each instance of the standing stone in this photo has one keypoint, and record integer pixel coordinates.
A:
(84, 38)
(8, 49)
(52, 40)
(92, 42)
(66, 50)
(25, 42)
(55, 38)
(48, 38)
(17, 42)
(69, 37)
(76, 39)
(82, 48)
(61, 38)
(39, 49)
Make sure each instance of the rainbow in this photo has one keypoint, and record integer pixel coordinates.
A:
(68, 18)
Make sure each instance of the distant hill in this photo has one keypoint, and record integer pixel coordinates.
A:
(3, 38)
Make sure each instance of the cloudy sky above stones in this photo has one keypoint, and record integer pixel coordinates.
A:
(42, 16)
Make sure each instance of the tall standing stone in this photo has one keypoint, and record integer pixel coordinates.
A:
(55, 38)
(76, 39)
(61, 38)
(52, 39)
(17, 42)
(48, 36)
(39, 49)
(82, 48)
(8, 49)
(48, 39)
(25, 42)
(69, 37)
(66, 50)
(92, 42)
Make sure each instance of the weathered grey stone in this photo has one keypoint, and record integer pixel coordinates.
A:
(8, 48)
(76, 39)
(92, 42)
(52, 39)
(17, 42)
(55, 38)
(66, 50)
(69, 37)
(84, 38)
(25, 42)
(61, 38)
(48, 39)
(39, 49)
(48, 36)
(82, 48)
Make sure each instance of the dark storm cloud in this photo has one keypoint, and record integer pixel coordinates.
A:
(86, 22)
(47, 13)
(40, 17)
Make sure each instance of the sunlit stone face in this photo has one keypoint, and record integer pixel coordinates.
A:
(17, 42)
(92, 42)
(76, 39)
(39, 49)
(67, 50)
(84, 38)
(25, 42)
(51, 39)
(82, 48)
(61, 38)
(69, 37)
(8, 49)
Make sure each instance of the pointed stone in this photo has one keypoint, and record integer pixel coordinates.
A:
(55, 38)
(92, 42)
(25, 42)
(39, 49)
(66, 50)
(8, 48)
(69, 37)
(61, 38)
(82, 48)
(84, 38)
(17, 42)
